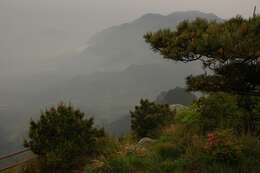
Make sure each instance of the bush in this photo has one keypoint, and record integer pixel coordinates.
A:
(255, 118)
(181, 147)
(223, 147)
(250, 160)
(178, 165)
(168, 150)
(147, 118)
(123, 164)
(107, 146)
(60, 136)
(167, 166)
(223, 111)
(219, 111)
(187, 115)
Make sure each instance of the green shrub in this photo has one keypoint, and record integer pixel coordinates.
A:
(181, 164)
(250, 160)
(149, 117)
(167, 166)
(168, 150)
(129, 163)
(255, 118)
(202, 138)
(187, 115)
(223, 152)
(178, 165)
(250, 146)
(124, 164)
(219, 111)
(106, 146)
(224, 111)
(121, 164)
(61, 136)
(223, 147)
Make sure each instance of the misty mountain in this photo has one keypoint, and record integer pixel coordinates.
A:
(119, 127)
(124, 68)
(124, 44)
(104, 78)
(112, 94)
(176, 96)
(118, 47)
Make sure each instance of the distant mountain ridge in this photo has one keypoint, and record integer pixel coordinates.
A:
(124, 44)
(119, 46)
(153, 21)
(176, 96)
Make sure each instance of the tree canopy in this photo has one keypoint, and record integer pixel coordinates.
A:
(61, 135)
(229, 51)
(147, 118)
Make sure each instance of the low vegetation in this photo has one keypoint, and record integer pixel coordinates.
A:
(216, 134)
(186, 146)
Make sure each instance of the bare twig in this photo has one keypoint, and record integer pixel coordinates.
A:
(254, 13)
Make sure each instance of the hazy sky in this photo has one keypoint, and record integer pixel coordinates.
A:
(35, 29)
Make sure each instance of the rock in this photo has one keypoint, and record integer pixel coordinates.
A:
(97, 163)
(176, 107)
(129, 149)
(145, 141)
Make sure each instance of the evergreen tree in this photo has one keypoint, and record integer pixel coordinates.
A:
(61, 135)
(147, 118)
(229, 51)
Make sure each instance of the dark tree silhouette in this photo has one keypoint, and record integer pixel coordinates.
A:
(147, 118)
(229, 51)
(61, 135)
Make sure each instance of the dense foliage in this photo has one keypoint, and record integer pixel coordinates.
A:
(229, 49)
(183, 146)
(61, 136)
(147, 118)
(225, 111)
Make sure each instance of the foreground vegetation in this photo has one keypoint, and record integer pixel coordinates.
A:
(188, 144)
(210, 136)
(213, 135)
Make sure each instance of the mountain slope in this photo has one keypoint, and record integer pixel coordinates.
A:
(120, 46)
(176, 96)
(111, 94)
